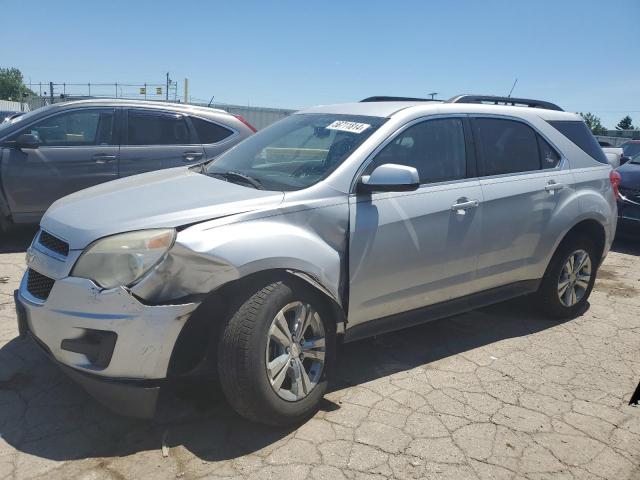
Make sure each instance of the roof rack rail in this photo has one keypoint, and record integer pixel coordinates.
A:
(384, 98)
(495, 100)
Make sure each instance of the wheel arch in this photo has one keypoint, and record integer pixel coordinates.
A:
(591, 228)
(196, 346)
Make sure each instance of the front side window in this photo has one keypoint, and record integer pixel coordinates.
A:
(296, 152)
(83, 127)
(156, 128)
(435, 148)
(209, 132)
(506, 146)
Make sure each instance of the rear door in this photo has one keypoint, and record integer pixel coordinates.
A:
(78, 149)
(412, 249)
(524, 181)
(156, 139)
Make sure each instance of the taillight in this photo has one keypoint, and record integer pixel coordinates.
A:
(251, 127)
(615, 183)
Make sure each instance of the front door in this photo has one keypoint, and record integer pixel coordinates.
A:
(413, 249)
(78, 149)
(157, 139)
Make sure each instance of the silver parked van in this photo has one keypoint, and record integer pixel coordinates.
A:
(62, 148)
(336, 223)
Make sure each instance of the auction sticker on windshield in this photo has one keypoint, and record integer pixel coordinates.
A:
(344, 126)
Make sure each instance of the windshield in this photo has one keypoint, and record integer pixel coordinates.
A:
(295, 152)
(635, 158)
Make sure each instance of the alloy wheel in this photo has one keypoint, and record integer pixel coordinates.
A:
(574, 278)
(295, 351)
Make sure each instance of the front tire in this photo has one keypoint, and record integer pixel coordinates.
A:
(569, 278)
(275, 354)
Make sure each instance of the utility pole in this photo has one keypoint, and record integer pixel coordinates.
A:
(167, 90)
(186, 90)
(51, 92)
(433, 95)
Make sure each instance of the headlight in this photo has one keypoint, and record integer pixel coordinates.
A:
(123, 259)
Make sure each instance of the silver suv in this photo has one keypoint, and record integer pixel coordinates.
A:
(336, 223)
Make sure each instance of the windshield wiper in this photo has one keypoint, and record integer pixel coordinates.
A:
(231, 175)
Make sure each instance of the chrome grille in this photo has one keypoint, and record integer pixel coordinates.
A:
(39, 285)
(53, 243)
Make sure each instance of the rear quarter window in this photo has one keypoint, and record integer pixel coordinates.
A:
(579, 133)
(209, 132)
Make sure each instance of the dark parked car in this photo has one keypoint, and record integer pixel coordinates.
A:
(6, 115)
(629, 197)
(59, 149)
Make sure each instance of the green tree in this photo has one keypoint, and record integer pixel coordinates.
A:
(12, 86)
(625, 124)
(594, 123)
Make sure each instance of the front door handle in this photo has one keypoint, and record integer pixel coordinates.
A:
(462, 204)
(191, 156)
(101, 159)
(552, 186)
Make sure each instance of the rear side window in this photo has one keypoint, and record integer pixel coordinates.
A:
(506, 146)
(579, 133)
(157, 128)
(209, 132)
(435, 148)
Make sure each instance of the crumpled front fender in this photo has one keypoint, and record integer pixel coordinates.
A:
(204, 259)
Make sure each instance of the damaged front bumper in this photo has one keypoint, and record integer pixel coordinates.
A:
(117, 348)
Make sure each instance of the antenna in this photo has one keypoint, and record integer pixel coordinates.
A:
(211, 101)
(512, 87)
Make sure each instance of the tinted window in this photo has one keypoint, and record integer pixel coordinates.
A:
(154, 128)
(88, 127)
(579, 133)
(209, 132)
(506, 146)
(549, 157)
(435, 148)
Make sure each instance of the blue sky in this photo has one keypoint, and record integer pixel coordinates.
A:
(581, 54)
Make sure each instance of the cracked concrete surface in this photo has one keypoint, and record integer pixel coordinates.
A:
(499, 393)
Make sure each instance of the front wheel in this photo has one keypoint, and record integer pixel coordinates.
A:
(569, 278)
(276, 351)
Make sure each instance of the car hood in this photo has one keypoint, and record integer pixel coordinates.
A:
(160, 199)
(630, 173)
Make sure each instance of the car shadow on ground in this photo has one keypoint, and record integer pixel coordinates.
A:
(44, 413)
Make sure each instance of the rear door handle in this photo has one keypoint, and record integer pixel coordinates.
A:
(463, 204)
(552, 186)
(191, 156)
(101, 159)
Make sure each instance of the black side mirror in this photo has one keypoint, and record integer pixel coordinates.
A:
(624, 159)
(27, 140)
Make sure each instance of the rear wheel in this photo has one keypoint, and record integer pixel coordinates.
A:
(569, 278)
(276, 351)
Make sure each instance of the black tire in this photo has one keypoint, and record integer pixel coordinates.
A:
(241, 355)
(547, 298)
